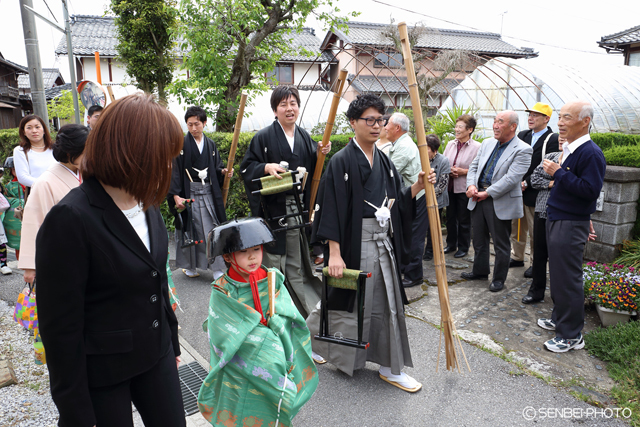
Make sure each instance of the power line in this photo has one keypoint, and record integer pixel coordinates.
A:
(478, 29)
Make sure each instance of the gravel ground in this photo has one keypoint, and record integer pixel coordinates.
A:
(27, 403)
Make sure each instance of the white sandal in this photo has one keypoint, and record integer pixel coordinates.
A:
(402, 381)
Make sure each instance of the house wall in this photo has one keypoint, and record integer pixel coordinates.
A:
(312, 73)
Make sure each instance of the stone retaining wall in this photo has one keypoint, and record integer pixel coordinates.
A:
(616, 220)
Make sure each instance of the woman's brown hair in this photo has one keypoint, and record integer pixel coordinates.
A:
(24, 141)
(132, 148)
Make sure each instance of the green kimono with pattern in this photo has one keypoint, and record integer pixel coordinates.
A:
(259, 375)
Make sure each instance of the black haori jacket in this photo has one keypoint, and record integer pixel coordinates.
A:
(339, 213)
(270, 145)
(180, 181)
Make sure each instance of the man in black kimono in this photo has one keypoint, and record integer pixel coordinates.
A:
(365, 216)
(198, 174)
(284, 141)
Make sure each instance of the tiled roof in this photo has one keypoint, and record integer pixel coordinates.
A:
(365, 33)
(56, 91)
(97, 33)
(18, 67)
(307, 39)
(632, 35)
(90, 34)
(395, 85)
(49, 75)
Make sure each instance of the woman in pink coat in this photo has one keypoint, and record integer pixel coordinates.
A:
(49, 189)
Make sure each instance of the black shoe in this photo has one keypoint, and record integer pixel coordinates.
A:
(449, 249)
(496, 286)
(470, 276)
(428, 256)
(514, 263)
(406, 283)
(527, 299)
(528, 273)
(460, 254)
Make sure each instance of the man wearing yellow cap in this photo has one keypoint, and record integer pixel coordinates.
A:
(543, 141)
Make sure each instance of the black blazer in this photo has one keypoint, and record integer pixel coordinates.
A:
(103, 301)
(529, 195)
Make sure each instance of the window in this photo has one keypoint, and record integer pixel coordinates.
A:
(634, 59)
(281, 75)
(389, 59)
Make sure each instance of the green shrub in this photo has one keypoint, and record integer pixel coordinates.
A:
(620, 347)
(608, 140)
(625, 155)
(9, 138)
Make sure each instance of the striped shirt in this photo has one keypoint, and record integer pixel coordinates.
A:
(540, 181)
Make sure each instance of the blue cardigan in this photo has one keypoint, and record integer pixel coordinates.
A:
(577, 184)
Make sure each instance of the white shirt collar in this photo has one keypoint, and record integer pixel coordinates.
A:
(365, 155)
(290, 139)
(569, 148)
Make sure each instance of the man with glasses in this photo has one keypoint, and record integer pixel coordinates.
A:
(405, 157)
(542, 139)
(364, 214)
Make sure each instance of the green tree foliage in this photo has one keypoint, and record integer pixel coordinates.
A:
(444, 125)
(145, 41)
(62, 106)
(230, 45)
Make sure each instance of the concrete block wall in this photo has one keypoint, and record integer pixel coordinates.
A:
(616, 220)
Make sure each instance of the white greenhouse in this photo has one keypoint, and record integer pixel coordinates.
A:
(507, 84)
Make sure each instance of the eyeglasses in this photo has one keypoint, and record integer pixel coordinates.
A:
(371, 121)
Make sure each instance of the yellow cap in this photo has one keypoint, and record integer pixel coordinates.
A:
(541, 108)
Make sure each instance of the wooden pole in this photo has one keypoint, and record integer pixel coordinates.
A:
(432, 208)
(234, 146)
(315, 182)
(271, 283)
(98, 70)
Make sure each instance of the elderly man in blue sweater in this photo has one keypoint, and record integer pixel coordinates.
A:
(578, 179)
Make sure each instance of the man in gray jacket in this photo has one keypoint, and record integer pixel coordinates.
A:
(493, 187)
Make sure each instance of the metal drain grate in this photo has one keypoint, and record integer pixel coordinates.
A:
(192, 376)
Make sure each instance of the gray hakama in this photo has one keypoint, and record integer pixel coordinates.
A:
(204, 219)
(384, 322)
(295, 264)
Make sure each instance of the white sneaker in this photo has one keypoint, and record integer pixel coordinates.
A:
(402, 381)
(5, 270)
(190, 273)
(317, 358)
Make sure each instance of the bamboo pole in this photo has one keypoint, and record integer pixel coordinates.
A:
(271, 284)
(447, 325)
(234, 146)
(315, 182)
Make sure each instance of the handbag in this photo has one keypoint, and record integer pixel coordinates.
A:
(4, 203)
(25, 312)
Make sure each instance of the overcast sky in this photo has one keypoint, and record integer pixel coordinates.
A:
(565, 31)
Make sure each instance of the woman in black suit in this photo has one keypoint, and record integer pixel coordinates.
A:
(110, 335)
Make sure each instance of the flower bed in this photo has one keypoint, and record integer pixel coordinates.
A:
(612, 286)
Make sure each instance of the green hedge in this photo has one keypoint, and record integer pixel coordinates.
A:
(608, 140)
(627, 155)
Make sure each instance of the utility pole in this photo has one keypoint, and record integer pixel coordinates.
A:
(33, 61)
(74, 91)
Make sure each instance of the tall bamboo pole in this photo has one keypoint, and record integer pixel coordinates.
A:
(315, 182)
(446, 320)
(234, 146)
